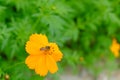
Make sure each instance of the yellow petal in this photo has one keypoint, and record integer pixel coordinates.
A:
(41, 67)
(57, 55)
(39, 38)
(55, 52)
(31, 61)
(51, 64)
(32, 47)
(116, 53)
(36, 42)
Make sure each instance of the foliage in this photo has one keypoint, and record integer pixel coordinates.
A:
(81, 28)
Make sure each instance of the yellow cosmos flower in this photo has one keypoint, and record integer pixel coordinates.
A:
(42, 54)
(115, 47)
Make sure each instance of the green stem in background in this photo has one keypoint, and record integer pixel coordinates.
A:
(35, 25)
(7, 68)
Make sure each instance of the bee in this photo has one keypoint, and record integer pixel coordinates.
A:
(45, 48)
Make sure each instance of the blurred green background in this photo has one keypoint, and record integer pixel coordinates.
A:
(83, 29)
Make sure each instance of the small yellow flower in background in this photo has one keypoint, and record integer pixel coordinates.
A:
(7, 77)
(115, 47)
(42, 55)
(81, 59)
(53, 7)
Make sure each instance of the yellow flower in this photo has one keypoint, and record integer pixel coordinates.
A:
(115, 47)
(42, 54)
(81, 59)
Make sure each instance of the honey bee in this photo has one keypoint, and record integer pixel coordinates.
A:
(45, 48)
